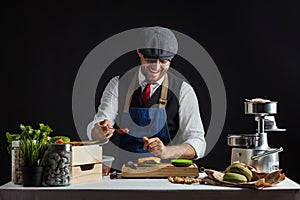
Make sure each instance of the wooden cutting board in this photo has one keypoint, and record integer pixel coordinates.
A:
(161, 171)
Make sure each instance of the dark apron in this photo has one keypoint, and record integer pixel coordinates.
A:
(148, 122)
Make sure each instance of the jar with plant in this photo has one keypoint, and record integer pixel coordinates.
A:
(33, 144)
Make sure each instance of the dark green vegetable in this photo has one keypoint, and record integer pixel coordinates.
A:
(181, 162)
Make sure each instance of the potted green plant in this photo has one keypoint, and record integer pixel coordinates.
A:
(31, 170)
(33, 145)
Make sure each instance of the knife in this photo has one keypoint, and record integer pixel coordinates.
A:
(130, 164)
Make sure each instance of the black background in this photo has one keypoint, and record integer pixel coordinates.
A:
(254, 44)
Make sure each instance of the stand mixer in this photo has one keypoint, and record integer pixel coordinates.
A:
(253, 149)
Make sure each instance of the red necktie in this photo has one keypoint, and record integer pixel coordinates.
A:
(146, 93)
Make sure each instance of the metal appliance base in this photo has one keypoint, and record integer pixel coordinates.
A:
(265, 164)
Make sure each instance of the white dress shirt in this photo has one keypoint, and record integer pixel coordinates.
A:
(190, 123)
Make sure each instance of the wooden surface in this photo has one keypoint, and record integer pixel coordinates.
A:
(86, 173)
(163, 170)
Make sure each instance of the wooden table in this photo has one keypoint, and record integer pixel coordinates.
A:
(147, 189)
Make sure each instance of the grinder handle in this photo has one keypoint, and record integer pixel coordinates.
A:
(256, 157)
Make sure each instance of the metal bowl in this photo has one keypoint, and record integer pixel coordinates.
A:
(243, 140)
(260, 108)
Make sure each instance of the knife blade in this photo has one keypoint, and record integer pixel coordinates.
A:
(130, 164)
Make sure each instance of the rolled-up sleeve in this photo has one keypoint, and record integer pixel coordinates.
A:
(191, 126)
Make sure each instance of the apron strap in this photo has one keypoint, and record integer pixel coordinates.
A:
(163, 94)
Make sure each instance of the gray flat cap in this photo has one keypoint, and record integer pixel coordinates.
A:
(158, 43)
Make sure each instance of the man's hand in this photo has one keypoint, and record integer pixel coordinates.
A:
(156, 147)
(102, 131)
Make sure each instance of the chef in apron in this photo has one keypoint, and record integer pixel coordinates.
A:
(147, 104)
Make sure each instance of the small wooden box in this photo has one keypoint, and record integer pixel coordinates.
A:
(86, 173)
(86, 163)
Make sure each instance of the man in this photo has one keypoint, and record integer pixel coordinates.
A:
(167, 124)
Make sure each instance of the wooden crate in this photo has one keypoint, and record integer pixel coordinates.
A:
(86, 173)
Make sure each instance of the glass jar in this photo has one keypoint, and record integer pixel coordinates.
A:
(16, 163)
(57, 165)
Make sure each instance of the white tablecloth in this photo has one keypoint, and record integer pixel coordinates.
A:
(145, 189)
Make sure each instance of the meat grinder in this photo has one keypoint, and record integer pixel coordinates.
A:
(253, 149)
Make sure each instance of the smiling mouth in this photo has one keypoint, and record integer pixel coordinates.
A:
(154, 71)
